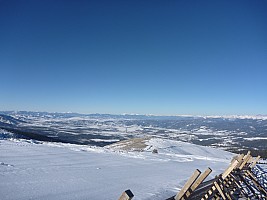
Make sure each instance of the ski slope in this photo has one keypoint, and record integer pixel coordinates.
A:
(30, 170)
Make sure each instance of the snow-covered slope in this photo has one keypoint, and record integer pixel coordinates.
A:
(65, 171)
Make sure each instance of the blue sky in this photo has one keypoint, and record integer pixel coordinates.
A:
(149, 57)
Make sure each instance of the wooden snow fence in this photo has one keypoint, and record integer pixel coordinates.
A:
(238, 181)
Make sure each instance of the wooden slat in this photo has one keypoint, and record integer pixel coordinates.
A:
(255, 162)
(229, 169)
(126, 195)
(255, 181)
(201, 190)
(187, 185)
(250, 160)
(246, 182)
(245, 160)
(200, 179)
(219, 190)
(248, 153)
(235, 181)
(239, 159)
(227, 186)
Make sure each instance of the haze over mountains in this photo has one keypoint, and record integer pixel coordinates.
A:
(232, 133)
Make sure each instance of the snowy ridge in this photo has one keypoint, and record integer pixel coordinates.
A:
(68, 171)
(258, 117)
(183, 149)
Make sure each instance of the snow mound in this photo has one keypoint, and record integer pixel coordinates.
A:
(168, 150)
(178, 148)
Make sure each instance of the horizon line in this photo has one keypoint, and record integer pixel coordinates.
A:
(138, 114)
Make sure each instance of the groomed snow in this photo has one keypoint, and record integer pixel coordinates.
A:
(65, 171)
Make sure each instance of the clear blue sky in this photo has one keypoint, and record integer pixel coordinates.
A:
(134, 56)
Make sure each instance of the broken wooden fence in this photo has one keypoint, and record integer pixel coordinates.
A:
(237, 181)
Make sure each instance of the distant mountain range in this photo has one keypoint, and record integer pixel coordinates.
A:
(232, 133)
(125, 115)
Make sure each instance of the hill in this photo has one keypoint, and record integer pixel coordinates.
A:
(68, 171)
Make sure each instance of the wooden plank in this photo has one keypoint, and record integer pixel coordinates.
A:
(200, 179)
(227, 186)
(126, 195)
(250, 160)
(238, 185)
(228, 196)
(239, 159)
(219, 190)
(245, 160)
(248, 153)
(255, 162)
(188, 184)
(201, 190)
(242, 179)
(255, 181)
(229, 169)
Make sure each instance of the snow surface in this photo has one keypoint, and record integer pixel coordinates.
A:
(30, 170)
